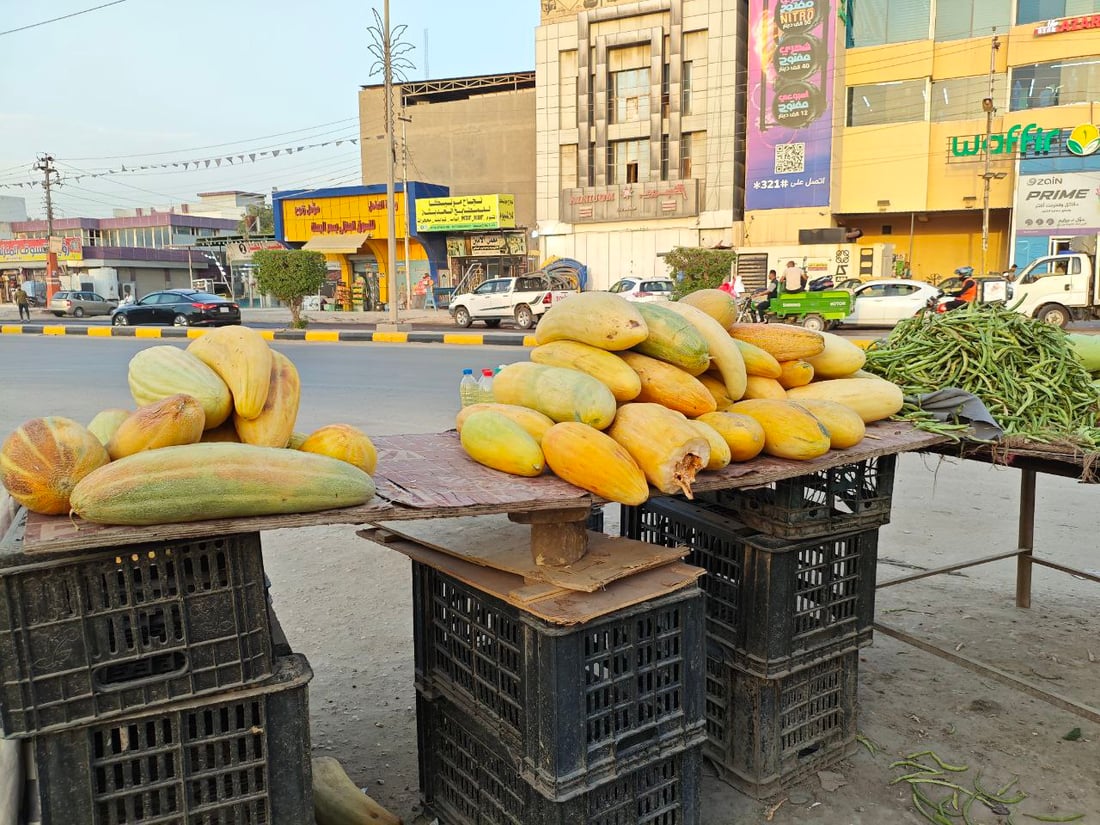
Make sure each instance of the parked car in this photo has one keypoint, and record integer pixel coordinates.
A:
(641, 289)
(79, 304)
(523, 300)
(179, 307)
(883, 303)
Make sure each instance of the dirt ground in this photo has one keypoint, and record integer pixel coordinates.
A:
(346, 603)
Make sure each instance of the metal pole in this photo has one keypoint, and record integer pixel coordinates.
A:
(391, 221)
(987, 104)
(408, 219)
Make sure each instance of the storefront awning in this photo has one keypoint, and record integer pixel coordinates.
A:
(337, 244)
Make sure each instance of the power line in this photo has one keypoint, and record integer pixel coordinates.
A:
(62, 17)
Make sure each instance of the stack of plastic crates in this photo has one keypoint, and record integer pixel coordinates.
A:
(787, 609)
(522, 722)
(145, 684)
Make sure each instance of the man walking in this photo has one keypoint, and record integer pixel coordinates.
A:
(23, 303)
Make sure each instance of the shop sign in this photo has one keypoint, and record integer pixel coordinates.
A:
(35, 249)
(456, 247)
(342, 215)
(1030, 138)
(1084, 140)
(242, 250)
(1068, 24)
(465, 212)
(631, 202)
(1058, 203)
(789, 127)
(486, 244)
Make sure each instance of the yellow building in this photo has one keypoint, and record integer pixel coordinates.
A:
(910, 161)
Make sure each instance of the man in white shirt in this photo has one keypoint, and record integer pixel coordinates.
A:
(794, 279)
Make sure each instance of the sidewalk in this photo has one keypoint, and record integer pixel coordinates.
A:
(323, 327)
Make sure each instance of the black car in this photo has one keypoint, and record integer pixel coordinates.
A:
(179, 307)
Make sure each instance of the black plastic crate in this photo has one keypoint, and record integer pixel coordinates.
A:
(99, 635)
(241, 758)
(763, 734)
(776, 605)
(470, 777)
(837, 500)
(577, 703)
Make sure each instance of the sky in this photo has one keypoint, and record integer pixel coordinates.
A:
(154, 82)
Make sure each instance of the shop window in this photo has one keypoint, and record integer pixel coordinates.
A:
(629, 98)
(877, 22)
(627, 161)
(959, 19)
(1054, 84)
(1033, 11)
(901, 101)
(960, 98)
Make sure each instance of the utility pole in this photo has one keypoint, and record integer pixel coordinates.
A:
(53, 283)
(391, 241)
(987, 176)
(408, 219)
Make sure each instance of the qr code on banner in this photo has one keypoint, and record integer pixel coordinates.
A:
(790, 158)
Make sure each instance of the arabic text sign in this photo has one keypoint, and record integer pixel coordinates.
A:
(35, 249)
(1058, 203)
(466, 212)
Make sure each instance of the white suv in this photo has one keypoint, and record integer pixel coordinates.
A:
(641, 289)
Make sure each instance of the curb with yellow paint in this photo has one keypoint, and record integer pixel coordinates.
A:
(325, 336)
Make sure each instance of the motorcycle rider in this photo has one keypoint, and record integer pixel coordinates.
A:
(967, 293)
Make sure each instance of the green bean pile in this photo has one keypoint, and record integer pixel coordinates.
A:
(1024, 371)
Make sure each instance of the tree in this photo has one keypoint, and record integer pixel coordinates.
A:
(258, 219)
(701, 268)
(289, 275)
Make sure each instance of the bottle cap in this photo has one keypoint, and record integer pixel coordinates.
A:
(467, 372)
(487, 371)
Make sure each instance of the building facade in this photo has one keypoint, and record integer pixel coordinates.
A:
(915, 151)
(115, 256)
(640, 128)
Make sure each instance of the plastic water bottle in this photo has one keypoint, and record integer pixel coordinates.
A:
(468, 390)
(485, 387)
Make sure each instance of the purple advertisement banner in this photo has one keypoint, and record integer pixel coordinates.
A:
(790, 106)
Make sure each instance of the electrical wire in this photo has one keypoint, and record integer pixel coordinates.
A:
(62, 17)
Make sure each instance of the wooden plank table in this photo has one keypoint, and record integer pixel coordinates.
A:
(428, 476)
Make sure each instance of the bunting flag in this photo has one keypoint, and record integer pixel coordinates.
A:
(201, 163)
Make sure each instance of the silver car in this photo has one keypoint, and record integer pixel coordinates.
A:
(79, 304)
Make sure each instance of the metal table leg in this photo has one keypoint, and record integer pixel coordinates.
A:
(1026, 538)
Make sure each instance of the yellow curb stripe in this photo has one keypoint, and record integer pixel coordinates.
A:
(146, 332)
(11, 329)
(460, 338)
(391, 337)
(196, 333)
(99, 332)
(323, 335)
(53, 329)
(529, 341)
(268, 334)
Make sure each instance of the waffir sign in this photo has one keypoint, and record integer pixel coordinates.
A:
(1017, 139)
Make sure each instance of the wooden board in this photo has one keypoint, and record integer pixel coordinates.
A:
(432, 470)
(494, 541)
(427, 476)
(1042, 458)
(557, 606)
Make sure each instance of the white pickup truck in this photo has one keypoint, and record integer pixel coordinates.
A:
(1060, 288)
(522, 300)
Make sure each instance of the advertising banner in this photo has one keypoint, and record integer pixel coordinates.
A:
(1059, 203)
(35, 249)
(466, 212)
(790, 105)
(308, 218)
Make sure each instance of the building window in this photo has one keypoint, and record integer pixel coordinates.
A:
(685, 155)
(666, 81)
(1054, 84)
(876, 22)
(629, 100)
(960, 98)
(591, 164)
(664, 157)
(959, 19)
(1032, 11)
(899, 102)
(627, 161)
(685, 89)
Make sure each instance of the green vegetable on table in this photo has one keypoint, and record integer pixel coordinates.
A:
(1029, 374)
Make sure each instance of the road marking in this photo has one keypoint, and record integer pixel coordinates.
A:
(53, 329)
(11, 329)
(331, 335)
(99, 332)
(146, 332)
(460, 338)
(268, 334)
(391, 337)
(529, 341)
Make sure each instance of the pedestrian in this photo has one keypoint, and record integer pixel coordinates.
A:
(794, 279)
(1010, 274)
(421, 290)
(22, 303)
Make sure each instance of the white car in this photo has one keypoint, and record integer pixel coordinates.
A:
(523, 300)
(884, 303)
(643, 289)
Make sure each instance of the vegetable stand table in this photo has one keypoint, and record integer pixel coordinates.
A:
(1031, 460)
